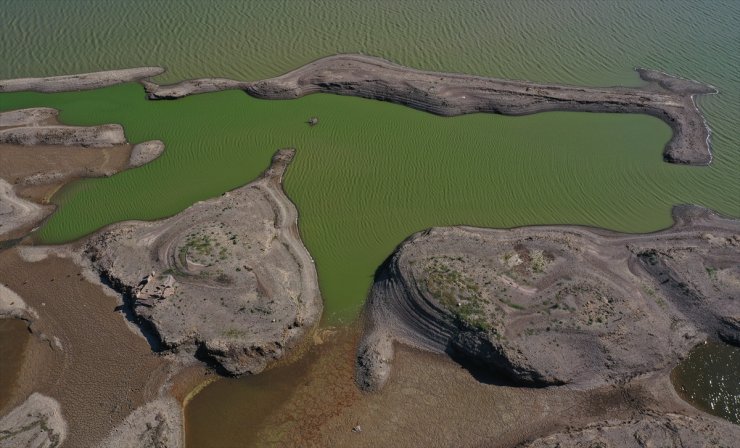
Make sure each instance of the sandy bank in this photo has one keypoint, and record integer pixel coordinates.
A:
(103, 136)
(84, 81)
(557, 305)
(156, 424)
(40, 155)
(34, 116)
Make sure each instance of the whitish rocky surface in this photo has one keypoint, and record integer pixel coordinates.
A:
(145, 152)
(557, 305)
(12, 305)
(227, 280)
(15, 212)
(28, 117)
(37, 423)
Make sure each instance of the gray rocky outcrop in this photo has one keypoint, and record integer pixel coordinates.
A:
(557, 305)
(227, 280)
(667, 431)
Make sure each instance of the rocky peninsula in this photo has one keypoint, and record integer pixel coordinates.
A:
(83, 81)
(664, 96)
(560, 305)
(227, 280)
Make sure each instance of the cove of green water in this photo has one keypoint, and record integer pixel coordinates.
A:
(372, 173)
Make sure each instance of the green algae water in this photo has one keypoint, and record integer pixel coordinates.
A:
(372, 173)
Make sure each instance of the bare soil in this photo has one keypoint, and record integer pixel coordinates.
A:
(82, 352)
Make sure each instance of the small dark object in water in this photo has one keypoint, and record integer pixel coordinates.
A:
(313, 121)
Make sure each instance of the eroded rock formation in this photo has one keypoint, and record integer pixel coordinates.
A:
(557, 305)
(227, 280)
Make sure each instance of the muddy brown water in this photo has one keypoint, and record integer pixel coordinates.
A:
(14, 337)
(292, 397)
(707, 379)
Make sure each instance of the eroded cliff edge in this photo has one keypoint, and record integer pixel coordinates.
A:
(227, 280)
(560, 305)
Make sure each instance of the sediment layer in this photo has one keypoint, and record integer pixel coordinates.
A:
(561, 305)
(664, 96)
(227, 280)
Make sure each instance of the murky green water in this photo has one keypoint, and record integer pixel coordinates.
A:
(371, 174)
(708, 379)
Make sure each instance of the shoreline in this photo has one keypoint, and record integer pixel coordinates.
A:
(667, 97)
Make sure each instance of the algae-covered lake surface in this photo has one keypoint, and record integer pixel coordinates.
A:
(371, 173)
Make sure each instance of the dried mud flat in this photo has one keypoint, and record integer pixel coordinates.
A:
(94, 368)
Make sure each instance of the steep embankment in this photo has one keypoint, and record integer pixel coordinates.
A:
(557, 305)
